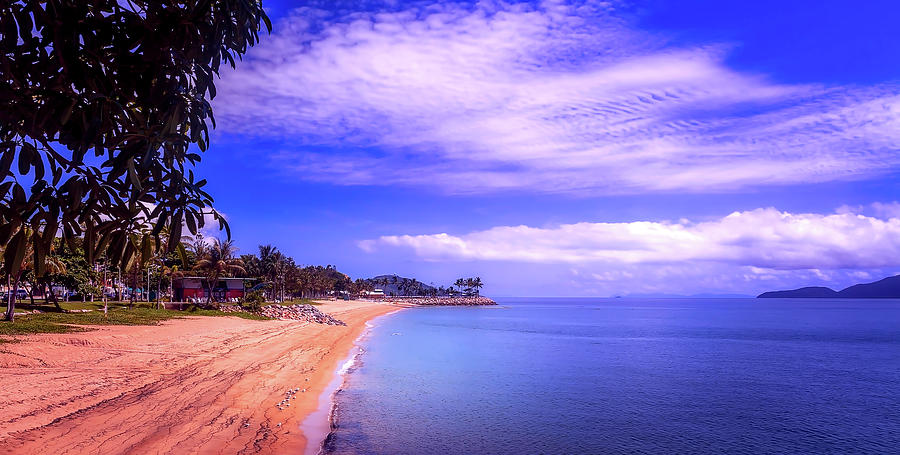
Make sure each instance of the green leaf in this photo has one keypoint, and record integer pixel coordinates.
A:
(38, 166)
(26, 156)
(132, 175)
(50, 229)
(182, 254)
(15, 253)
(175, 231)
(160, 222)
(191, 223)
(89, 243)
(18, 193)
(146, 243)
(40, 254)
(266, 20)
(6, 231)
(103, 244)
(6, 161)
(224, 225)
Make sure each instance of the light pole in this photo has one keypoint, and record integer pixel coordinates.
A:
(105, 283)
(158, 283)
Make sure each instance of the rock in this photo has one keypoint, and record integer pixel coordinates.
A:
(442, 301)
(230, 308)
(307, 313)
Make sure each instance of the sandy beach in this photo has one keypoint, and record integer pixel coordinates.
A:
(207, 385)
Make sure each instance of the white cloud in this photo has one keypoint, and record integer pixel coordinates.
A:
(693, 278)
(762, 240)
(555, 98)
(887, 210)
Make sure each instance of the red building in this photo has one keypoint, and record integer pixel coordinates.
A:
(195, 288)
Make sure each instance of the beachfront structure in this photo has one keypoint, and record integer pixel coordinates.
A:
(373, 294)
(191, 288)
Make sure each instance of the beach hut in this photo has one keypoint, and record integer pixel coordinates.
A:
(195, 288)
(373, 294)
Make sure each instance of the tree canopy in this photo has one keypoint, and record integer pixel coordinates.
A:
(105, 103)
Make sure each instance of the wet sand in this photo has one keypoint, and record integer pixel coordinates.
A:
(207, 385)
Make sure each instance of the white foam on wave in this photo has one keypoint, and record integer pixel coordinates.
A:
(350, 362)
(318, 424)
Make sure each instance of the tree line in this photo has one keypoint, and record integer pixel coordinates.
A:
(268, 271)
(107, 109)
(106, 105)
(397, 285)
(470, 286)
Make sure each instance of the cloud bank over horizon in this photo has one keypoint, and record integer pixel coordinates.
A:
(555, 97)
(744, 251)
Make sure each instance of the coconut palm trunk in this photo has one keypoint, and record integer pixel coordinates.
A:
(211, 283)
(11, 303)
(52, 296)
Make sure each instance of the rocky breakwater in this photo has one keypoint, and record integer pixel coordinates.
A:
(442, 301)
(306, 313)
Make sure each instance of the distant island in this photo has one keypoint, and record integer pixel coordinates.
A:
(887, 288)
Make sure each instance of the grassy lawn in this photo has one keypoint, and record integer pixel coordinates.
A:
(53, 321)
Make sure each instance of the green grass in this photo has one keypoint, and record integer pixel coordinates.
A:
(55, 322)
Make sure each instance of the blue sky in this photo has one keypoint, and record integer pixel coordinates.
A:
(570, 148)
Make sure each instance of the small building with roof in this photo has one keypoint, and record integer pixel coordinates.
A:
(195, 288)
(373, 294)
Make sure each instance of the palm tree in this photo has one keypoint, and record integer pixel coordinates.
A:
(459, 283)
(251, 264)
(219, 261)
(279, 266)
(198, 245)
(268, 255)
(477, 284)
(55, 266)
(166, 271)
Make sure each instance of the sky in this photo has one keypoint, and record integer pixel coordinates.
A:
(570, 148)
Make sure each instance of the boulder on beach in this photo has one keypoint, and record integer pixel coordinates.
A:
(304, 312)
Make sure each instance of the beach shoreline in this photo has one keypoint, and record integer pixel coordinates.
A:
(193, 385)
(318, 425)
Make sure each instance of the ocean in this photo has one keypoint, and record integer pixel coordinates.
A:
(616, 376)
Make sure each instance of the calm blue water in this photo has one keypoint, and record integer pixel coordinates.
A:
(608, 376)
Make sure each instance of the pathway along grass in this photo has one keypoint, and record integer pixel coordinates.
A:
(52, 321)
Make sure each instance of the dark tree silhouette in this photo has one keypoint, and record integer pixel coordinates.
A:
(102, 101)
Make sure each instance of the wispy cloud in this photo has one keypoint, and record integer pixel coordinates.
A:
(556, 97)
(761, 238)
